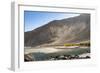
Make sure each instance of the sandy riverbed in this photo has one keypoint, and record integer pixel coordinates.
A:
(49, 49)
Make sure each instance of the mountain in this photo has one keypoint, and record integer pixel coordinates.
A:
(57, 32)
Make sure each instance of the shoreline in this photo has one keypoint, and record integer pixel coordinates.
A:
(51, 49)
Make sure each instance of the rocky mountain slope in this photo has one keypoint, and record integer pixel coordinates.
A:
(57, 32)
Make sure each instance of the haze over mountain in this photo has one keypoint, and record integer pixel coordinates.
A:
(57, 32)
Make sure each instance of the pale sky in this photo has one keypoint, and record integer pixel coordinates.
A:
(33, 19)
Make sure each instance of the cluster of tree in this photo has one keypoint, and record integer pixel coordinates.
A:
(84, 44)
(77, 44)
(71, 44)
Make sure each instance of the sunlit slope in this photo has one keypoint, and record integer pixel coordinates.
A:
(57, 32)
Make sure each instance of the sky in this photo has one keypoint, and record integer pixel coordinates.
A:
(35, 19)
